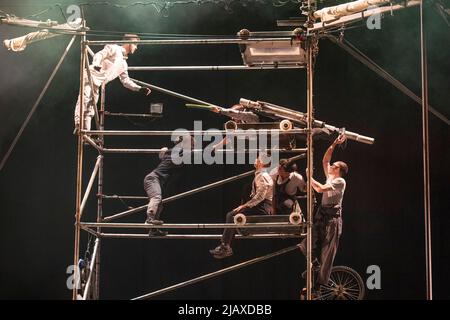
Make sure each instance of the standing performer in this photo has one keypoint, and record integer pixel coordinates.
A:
(156, 180)
(327, 226)
(287, 182)
(259, 204)
(107, 65)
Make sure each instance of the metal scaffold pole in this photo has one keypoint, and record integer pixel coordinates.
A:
(310, 163)
(426, 156)
(79, 169)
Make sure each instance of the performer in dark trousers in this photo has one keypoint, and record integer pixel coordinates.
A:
(259, 204)
(327, 226)
(156, 180)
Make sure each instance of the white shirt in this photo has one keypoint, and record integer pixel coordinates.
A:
(296, 182)
(261, 189)
(112, 61)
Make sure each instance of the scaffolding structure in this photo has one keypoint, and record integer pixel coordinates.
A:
(313, 33)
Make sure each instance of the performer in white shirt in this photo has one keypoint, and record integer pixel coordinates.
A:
(107, 65)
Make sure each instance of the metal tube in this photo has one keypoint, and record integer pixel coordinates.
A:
(79, 166)
(38, 100)
(310, 165)
(91, 268)
(100, 191)
(319, 26)
(300, 118)
(214, 68)
(89, 186)
(191, 132)
(92, 143)
(426, 157)
(217, 273)
(189, 225)
(201, 150)
(187, 41)
(197, 236)
(194, 191)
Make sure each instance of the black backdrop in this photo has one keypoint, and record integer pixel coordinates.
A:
(383, 206)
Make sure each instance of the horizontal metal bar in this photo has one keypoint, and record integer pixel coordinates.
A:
(140, 115)
(217, 273)
(198, 236)
(215, 68)
(106, 150)
(104, 196)
(194, 191)
(188, 225)
(193, 132)
(187, 41)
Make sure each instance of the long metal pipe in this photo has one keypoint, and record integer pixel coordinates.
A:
(341, 22)
(90, 184)
(191, 192)
(91, 268)
(100, 191)
(106, 150)
(192, 132)
(426, 157)
(188, 225)
(310, 164)
(214, 68)
(79, 166)
(187, 41)
(216, 273)
(197, 236)
(38, 100)
(300, 118)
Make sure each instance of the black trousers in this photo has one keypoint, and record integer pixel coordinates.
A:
(327, 230)
(263, 208)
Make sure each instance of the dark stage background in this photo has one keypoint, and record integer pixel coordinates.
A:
(383, 206)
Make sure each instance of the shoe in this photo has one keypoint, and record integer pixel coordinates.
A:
(154, 221)
(222, 251)
(157, 233)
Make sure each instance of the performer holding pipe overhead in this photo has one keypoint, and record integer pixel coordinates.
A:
(259, 204)
(156, 180)
(327, 227)
(286, 183)
(107, 65)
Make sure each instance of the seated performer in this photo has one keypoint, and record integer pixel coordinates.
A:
(259, 204)
(327, 226)
(156, 180)
(287, 182)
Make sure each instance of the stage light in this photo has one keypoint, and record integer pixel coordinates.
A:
(156, 108)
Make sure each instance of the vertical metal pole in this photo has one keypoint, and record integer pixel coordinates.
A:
(79, 166)
(426, 157)
(310, 159)
(100, 193)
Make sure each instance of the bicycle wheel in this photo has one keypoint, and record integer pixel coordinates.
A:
(344, 284)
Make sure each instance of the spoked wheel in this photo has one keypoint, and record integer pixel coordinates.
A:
(344, 284)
